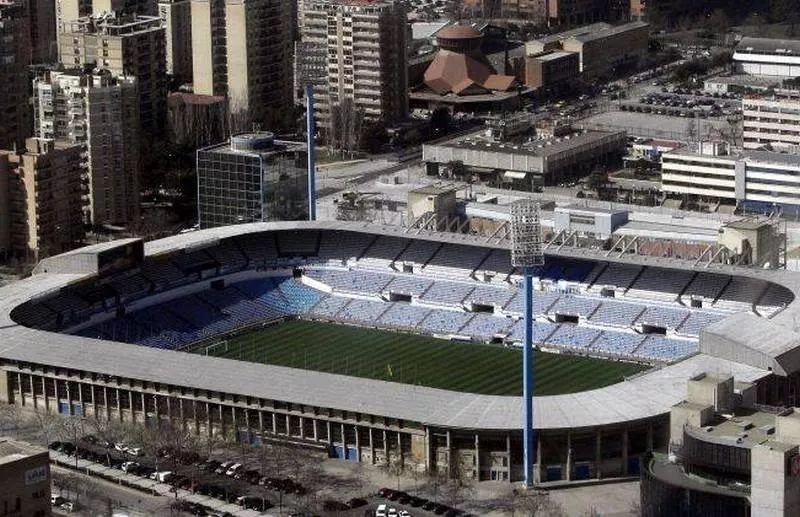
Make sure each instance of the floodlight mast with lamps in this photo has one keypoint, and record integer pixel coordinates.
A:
(527, 253)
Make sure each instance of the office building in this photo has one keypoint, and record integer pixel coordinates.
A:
(46, 197)
(552, 70)
(603, 53)
(365, 47)
(14, 60)
(761, 180)
(252, 178)
(776, 58)
(177, 18)
(772, 121)
(25, 478)
(728, 457)
(242, 50)
(101, 111)
(124, 45)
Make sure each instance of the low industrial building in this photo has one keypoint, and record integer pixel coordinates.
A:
(24, 478)
(527, 165)
(555, 41)
(603, 52)
(759, 180)
(778, 58)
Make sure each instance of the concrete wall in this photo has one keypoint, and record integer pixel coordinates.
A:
(774, 491)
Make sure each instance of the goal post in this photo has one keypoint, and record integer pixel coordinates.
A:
(217, 347)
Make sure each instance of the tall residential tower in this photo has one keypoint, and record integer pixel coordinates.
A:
(15, 55)
(242, 49)
(364, 47)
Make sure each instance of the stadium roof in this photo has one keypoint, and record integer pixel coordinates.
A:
(767, 45)
(758, 345)
(641, 397)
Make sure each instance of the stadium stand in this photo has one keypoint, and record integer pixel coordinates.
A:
(342, 247)
(297, 244)
(698, 320)
(660, 348)
(299, 297)
(575, 305)
(446, 322)
(418, 252)
(259, 250)
(412, 285)
(542, 301)
(497, 296)
(228, 256)
(194, 262)
(329, 306)
(447, 293)
(740, 294)
(663, 317)
(455, 261)
(131, 287)
(363, 311)
(707, 285)
(486, 325)
(617, 314)
(404, 315)
(164, 275)
(618, 275)
(382, 253)
(566, 269)
(620, 344)
(570, 335)
(654, 284)
(499, 262)
(542, 329)
(355, 281)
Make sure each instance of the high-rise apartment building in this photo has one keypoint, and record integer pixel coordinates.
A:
(177, 17)
(70, 10)
(124, 45)
(242, 49)
(364, 48)
(15, 55)
(43, 31)
(252, 178)
(101, 111)
(46, 196)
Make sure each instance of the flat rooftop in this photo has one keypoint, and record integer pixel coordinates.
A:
(769, 46)
(553, 38)
(611, 31)
(540, 148)
(552, 56)
(12, 450)
(745, 429)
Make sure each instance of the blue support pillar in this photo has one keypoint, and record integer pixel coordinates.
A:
(312, 182)
(527, 380)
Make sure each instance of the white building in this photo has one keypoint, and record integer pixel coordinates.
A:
(759, 178)
(102, 112)
(768, 57)
(774, 121)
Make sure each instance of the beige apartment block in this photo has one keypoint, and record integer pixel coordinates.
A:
(177, 18)
(124, 45)
(242, 50)
(363, 46)
(46, 197)
(101, 111)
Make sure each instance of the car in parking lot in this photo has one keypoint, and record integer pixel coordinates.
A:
(130, 467)
(330, 505)
(356, 502)
(210, 465)
(223, 467)
(259, 504)
(233, 469)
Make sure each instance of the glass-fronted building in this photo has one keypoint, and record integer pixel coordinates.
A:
(252, 178)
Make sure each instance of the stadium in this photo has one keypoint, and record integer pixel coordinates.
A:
(380, 344)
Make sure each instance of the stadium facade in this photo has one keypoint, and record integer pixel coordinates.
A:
(57, 353)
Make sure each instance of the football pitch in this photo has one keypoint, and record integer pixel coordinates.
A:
(414, 359)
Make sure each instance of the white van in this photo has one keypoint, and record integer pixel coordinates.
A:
(380, 511)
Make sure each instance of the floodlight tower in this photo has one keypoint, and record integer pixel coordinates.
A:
(526, 253)
(310, 151)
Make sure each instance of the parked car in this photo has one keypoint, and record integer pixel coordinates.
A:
(223, 467)
(210, 465)
(57, 500)
(356, 502)
(233, 469)
(331, 505)
(130, 467)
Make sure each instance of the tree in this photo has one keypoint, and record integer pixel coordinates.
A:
(459, 486)
(273, 458)
(72, 429)
(109, 432)
(718, 22)
(346, 121)
(597, 180)
(533, 503)
(45, 425)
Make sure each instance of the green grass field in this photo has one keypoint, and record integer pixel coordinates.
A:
(413, 359)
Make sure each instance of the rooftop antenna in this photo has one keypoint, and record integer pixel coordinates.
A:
(527, 253)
